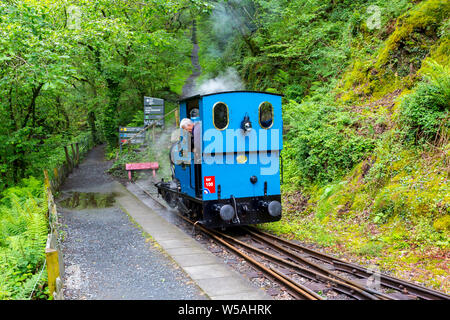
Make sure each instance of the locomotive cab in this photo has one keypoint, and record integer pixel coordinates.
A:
(228, 171)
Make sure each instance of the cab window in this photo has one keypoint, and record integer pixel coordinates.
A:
(265, 115)
(220, 116)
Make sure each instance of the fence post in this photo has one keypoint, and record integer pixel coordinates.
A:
(46, 180)
(78, 153)
(69, 163)
(56, 177)
(53, 256)
(53, 267)
(73, 156)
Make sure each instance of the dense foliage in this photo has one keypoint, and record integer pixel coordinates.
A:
(23, 235)
(425, 112)
(323, 144)
(366, 116)
(61, 61)
(366, 108)
(73, 71)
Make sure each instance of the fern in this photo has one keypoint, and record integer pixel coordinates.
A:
(439, 75)
(425, 111)
(23, 234)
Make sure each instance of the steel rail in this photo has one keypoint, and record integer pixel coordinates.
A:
(345, 288)
(350, 287)
(393, 283)
(386, 280)
(151, 196)
(308, 273)
(309, 291)
(296, 287)
(319, 255)
(319, 268)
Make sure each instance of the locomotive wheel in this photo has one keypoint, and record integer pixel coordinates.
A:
(189, 209)
(170, 199)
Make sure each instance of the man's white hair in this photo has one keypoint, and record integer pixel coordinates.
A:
(185, 122)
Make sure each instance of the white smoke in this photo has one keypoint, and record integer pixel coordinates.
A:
(228, 81)
(233, 16)
(226, 20)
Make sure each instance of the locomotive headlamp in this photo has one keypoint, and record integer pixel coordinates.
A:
(227, 212)
(246, 124)
(274, 208)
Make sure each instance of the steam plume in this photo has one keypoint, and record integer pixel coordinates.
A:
(228, 81)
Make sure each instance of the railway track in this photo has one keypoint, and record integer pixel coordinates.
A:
(408, 289)
(295, 267)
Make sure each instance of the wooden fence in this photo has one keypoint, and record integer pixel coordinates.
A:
(53, 180)
(74, 152)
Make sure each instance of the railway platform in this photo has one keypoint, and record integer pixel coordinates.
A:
(218, 281)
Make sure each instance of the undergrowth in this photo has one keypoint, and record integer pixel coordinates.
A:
(366, 124)
(23, 235)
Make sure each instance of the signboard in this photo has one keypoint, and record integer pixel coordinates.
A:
(153, 111)
(126, 133)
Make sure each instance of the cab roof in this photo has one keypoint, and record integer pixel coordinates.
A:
(198, 96)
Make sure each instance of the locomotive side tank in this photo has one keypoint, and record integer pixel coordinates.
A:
(231, 174)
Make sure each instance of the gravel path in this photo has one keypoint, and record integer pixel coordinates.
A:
(106, 256)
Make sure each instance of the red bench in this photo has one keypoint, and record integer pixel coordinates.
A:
(130, 167)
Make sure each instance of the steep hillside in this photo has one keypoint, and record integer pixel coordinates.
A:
(366, 110)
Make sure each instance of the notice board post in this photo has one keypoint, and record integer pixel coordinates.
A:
(154, 109)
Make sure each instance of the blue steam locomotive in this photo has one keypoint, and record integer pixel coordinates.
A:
(226, 159)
